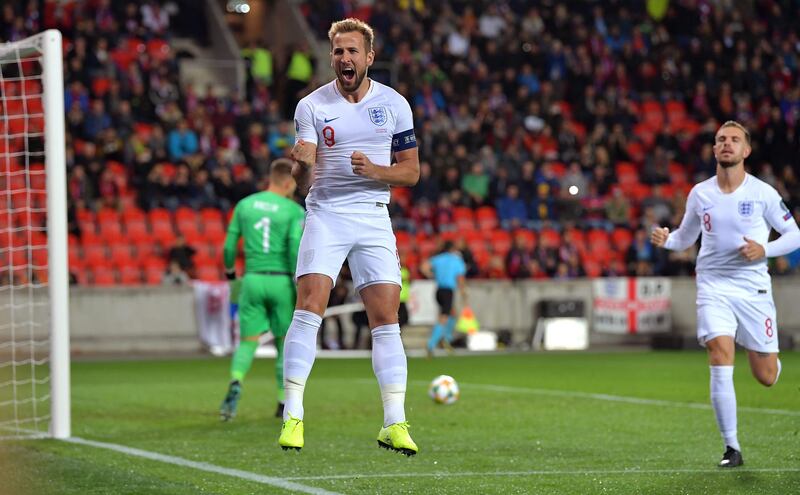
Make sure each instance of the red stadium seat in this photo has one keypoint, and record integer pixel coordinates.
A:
(486, 217)
(621, 238)
(550, 238)
(208, 273)
(94, 254)
(103, 276)
(464, 218)
(500, 241)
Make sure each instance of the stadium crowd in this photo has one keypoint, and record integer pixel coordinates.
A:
(552, 137)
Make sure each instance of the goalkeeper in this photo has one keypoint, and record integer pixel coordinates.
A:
(271, 224)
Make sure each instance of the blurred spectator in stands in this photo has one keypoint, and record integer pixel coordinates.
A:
(450, 185)
(244, 184)
(444, 219)
(182, 141)
(175, 275)
(705, 165)
(182, 254)
(542, 208)
(181, 190)
(96, 121)
(518, 259)
(202, 191)
(131, 21)
(261, 160)
(108, 189)
(79, 188)
(158, 143)
(618, 209)
(466, 254)
(475, 185)
(155, 19)
(299, 73)
(661, 206)
(281, 139)
(423, 216)
(427, 187)
(498, 186)
(656, 167)
(547, 257)
(641, 255)
(260, 63)
(224, 188)
(511, 209)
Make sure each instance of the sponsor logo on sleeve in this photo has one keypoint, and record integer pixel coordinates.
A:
(787, 214)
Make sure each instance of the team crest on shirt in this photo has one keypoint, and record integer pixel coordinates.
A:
(745, 208)
(787, 214)
(377, 115)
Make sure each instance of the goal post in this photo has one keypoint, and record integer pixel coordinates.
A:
(34, 280)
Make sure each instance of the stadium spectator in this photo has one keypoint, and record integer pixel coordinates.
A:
(182, 254)
(175, 275)
(511, 209)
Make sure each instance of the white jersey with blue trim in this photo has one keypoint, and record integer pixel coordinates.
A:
(724, 220)
(378, 125)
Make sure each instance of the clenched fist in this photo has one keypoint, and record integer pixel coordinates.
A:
(659, 236)
(363, 166)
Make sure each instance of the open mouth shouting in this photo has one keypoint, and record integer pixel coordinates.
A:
(349, 75)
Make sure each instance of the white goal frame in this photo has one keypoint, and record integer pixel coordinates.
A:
(49, 44)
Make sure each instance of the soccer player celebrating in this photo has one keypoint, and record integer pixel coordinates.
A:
(735, 212)
(347, 131)
(271, 224)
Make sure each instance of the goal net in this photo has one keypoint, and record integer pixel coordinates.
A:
(34, 316)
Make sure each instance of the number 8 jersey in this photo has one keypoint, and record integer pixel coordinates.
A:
(724, 220)
(378, 125)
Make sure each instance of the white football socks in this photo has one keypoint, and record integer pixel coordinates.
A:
(299, 352)
(391, 369)
(723, 399)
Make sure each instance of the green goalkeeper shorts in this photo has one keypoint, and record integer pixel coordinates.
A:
(266, 303)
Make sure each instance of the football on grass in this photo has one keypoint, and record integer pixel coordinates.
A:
(443, 390)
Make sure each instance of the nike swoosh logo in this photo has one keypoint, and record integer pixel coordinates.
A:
(330, 120)
(708, 208)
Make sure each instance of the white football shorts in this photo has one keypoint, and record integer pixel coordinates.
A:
(751, 321)
(365, 239)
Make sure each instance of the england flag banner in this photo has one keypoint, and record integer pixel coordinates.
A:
(632, 305)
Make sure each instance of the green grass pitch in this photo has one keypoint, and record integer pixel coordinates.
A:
(525, 423)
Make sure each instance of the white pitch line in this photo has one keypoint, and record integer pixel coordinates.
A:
(615, 398)
(204, 466)
(543, 473)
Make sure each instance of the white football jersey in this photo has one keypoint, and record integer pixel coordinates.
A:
(378, 125)
(724, 220)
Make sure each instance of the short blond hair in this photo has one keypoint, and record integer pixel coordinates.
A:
(350, 25)
(733, 123)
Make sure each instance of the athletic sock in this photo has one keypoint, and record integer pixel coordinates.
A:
(778, 374)
(391, 369)
(300, 350)
(436, 335)
(451, 325)
(243, 359)
(279, 369)
(723, 399)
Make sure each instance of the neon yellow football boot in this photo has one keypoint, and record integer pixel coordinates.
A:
(292, 434)
(395, 437)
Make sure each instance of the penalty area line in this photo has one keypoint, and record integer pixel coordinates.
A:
(587, 472)
(616, 398)
(204, 466)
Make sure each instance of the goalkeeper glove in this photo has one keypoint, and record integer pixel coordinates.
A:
(230, 274)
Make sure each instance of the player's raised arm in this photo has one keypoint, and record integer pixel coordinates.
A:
(780, 218)
(231, 242)
(689, 230)
(304, 152)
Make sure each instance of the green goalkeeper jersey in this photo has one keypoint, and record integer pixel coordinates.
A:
(271, 226)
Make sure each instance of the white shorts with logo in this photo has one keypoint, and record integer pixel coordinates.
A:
(750, 320)
(365, 239)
